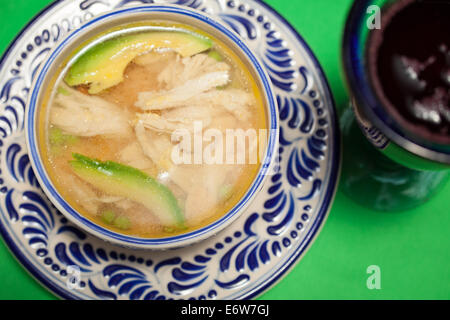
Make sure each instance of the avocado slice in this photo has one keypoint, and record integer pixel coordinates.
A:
(215, 55)
(121, 180)
(103, 65)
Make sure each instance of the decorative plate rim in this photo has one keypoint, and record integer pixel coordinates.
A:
(331, 191)
(325, 205)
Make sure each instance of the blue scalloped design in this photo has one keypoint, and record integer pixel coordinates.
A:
(229, 263)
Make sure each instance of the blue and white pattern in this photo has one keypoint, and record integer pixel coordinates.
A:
(239, 262)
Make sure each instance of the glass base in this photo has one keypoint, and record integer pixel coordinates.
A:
(375, 181)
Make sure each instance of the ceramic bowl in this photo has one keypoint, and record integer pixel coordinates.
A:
(105, 22)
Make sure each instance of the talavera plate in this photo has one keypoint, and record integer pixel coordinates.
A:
(240, 262)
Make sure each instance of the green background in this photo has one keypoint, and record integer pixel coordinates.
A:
(412, 248)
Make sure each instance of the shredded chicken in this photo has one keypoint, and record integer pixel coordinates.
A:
(185, 69)
(224, 121)
(202, 186)
(83, 193)
(192, 113)
(125, 204)
(234, 101)
(199, 204)
(84, 115)
(89, 199)
(178, 96)
(134, 156)
(162, 124)
(155, 146)
(184, 176)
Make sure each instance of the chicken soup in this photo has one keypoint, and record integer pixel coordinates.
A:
(124, 112)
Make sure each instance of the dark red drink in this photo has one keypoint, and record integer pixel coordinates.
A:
(409, 66)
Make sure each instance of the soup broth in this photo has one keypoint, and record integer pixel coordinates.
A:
(109, 121)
